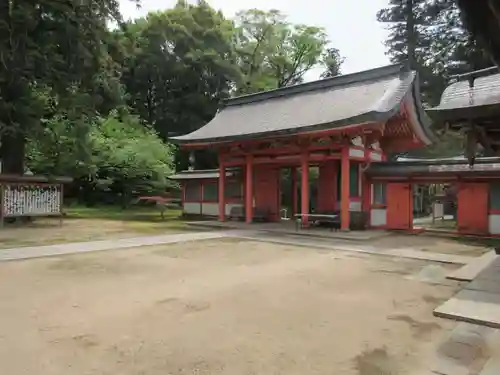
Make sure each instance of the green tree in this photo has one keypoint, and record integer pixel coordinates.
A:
(126, 157)
(177, 66)
(59, 46)
(274, 53)
(430, 36)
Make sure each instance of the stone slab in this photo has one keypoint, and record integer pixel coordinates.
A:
(472, 306)
(473, 268)
(490, 273)
(490, 285)
(82, 247)
(427, 255)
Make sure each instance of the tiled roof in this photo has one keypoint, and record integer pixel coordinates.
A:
(482, 165)
(459, 100)
(371, 96)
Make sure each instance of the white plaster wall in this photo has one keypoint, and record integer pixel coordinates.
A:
(378, 217)
(375, 156)
(494, 224)
(208, 209)
(356, 152)
(191, 208)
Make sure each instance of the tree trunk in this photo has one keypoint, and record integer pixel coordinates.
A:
(12, 153)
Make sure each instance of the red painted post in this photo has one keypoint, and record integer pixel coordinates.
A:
(222, 185)
(366, 188)
(295, 197)
(344, 187)
(305, 188)
(249, 189)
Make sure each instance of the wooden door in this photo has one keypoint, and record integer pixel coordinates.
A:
(399, 206)
(266, 190)
(472, 210)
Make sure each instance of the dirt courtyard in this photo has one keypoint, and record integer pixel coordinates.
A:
(217, 307)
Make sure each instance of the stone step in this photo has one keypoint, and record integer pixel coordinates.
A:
(473, 268)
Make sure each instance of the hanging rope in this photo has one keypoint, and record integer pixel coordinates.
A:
(471, 134)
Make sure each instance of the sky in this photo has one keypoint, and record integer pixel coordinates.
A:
(351, 25)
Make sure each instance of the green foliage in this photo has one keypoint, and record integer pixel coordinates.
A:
(177, 66)
(431, 36)
(124, 157)
(130, 154)
(81, 100)
(274, 53)
(60, 46)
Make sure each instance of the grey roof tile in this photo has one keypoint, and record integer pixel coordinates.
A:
(486, 91)
(483, 165)
(370, 96)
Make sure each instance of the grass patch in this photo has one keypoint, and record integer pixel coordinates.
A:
(135, 213)
(142, 219)
(83, 224)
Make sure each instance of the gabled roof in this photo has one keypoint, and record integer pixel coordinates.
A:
(370, 96)
(475, 94)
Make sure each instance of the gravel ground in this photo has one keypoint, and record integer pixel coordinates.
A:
(217, 307)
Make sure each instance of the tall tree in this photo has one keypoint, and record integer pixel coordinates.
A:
(430, 36)
(57, 46)
(177, 66)
(274, 53)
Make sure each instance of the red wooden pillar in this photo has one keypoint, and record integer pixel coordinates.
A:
(344, 189)
(366, 189)
(249, 189)
(295, 197)
(305, 187)
(222, 185)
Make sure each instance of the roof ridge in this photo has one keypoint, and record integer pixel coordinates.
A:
(340, 80)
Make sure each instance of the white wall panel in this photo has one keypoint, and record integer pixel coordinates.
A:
(378, 217)
(191, 208)
(356, 152)
(494, 224)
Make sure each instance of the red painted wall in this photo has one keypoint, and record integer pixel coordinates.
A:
(472, 210)
(327, 186)
(399, 206)
(266, 189)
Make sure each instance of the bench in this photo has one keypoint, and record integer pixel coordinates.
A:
(238, 213)
(331, 220)
(357, 219)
